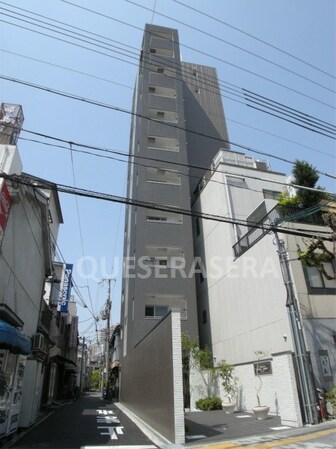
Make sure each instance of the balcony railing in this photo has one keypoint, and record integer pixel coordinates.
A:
(276, 216)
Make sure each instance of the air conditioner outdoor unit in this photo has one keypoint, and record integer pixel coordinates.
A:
(38, 343)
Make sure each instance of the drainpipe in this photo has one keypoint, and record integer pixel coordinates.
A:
(300, 351)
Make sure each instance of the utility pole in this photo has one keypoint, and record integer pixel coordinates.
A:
(108, 313)
(300, 351)
(81, 367)
(107, 316)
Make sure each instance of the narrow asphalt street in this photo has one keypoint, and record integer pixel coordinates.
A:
(85, 423)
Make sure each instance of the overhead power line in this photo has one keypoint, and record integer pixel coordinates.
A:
(232, 45)
(252, 98)
(198, 51)
(118, 109)
(27, 179)
(255, 38)
(146, 158)
(131, 88)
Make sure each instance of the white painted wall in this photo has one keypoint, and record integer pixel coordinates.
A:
(245, 298)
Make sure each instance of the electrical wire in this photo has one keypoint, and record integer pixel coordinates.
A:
(118, 109)
(245, 94)
(231, 44)
(79, 224)
(178, 164)
(274, 47)
(131, 88)
(27, 179)
(191, 48)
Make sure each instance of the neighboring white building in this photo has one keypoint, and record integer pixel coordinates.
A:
(241, 291)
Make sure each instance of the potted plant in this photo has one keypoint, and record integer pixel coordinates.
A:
(260, 411)
(229, 383)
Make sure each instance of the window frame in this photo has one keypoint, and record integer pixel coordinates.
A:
(319, 290)
(154, 316)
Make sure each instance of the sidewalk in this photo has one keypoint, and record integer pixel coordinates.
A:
(210, 429)
(217, 426)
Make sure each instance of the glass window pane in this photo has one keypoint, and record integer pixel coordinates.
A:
(149, 311)
(314, 277)
(330, 271)
(161, 311)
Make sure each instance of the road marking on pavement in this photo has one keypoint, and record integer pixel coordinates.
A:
(108, 420)
(195, 437)
(244, 416)
(112, 431)
(280, 428)
(112, 424)
(120, 447)
(104, 412)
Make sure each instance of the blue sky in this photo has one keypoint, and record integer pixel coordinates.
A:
(303, 28)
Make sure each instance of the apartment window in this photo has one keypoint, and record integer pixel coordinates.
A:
(161, 91)
(163, 256)
(316, 279)
(197, 90)
(156, 311)
(165, 116)
(163, 143)
(152, 50)
(194, 72)
(163, 176)
(159, 216)
(271, 194)
(160, 70)
(235, 181)
(158, 305)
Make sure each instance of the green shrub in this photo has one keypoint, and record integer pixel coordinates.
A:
(207, 404)
(331, 395)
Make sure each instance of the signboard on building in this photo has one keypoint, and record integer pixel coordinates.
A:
(5, 205)
(66, 288)
(262, 367)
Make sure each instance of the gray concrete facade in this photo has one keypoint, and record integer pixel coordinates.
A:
(173, 104)
(170, 97)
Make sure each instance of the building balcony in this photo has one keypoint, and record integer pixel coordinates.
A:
(273, 218)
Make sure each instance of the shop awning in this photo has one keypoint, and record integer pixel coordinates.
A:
(13, 339)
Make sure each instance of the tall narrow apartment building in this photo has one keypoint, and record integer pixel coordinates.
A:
(177, 127)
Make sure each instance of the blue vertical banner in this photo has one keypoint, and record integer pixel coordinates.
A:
(66, 288)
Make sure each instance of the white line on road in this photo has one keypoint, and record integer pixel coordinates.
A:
(195, 437)
(120, 447)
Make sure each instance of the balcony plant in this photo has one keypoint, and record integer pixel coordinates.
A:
(229, 383)
(260, 411)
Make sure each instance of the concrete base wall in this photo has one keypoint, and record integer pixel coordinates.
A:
(151, 379)
(278, 391)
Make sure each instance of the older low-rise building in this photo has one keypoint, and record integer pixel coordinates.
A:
(29, 221)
